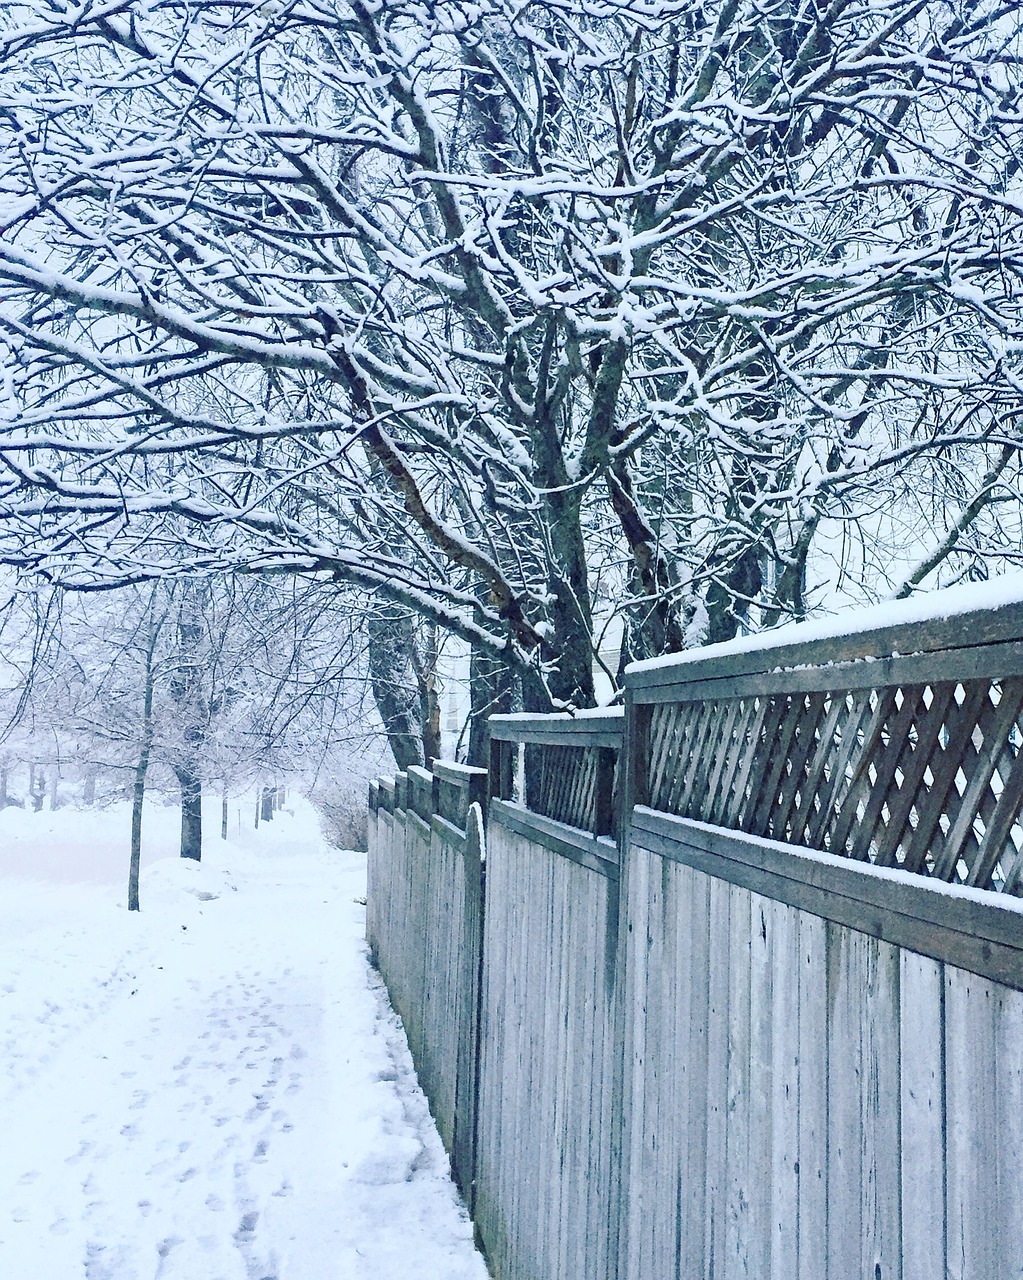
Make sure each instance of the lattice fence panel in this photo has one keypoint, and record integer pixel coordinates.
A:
(924, 777)
(562, 783)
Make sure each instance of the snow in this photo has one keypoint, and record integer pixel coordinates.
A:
(214, 1088)
(997, 593)
(583, 713)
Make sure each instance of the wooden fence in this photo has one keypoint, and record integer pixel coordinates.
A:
(750, 980)
(424, 905)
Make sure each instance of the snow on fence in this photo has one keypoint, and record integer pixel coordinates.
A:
(773, 1025)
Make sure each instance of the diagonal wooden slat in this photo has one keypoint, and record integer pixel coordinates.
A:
(993, 722)
(807, 728)
(861, 765)
(745, 780)
(761, 749)
(816, 775)
(852, 726)
(889, 751)
(726, 804)
(928, 722)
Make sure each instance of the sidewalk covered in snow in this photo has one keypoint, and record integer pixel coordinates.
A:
(215, 1088)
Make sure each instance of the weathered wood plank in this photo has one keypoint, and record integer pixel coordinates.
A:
(812, 1166)
(971, 1109)
(775, 1008)
(717, 1080)
(880, 1113)
(923, 1117)
(743, 1235)
(846, 970)
(1009, 1130)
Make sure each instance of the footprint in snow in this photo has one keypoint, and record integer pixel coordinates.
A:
(394, 1161)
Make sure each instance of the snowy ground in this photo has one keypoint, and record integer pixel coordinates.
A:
(212, 1089)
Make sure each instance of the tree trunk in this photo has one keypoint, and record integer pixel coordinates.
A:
(89, 789)
(138, 796)
(223, 816)
(3, 786)
(141, 769)
(191, 814)
(390, 635)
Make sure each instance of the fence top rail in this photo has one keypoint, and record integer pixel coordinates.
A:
(963, 619)
(596, 727)
(460, 775)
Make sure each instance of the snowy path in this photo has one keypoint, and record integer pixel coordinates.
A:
(216, 1089)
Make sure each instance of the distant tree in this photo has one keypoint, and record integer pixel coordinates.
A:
(212, 682)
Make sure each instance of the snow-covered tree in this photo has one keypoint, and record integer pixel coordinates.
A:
(520, 318)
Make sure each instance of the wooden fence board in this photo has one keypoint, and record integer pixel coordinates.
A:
(880, 1117)
(814, 1065)
(775, 1007)
(923, 1117)
(740, 1206)
(971, 1110)
(1009, 1130)
(692, 1036)
(717, 1079)
(846, 974)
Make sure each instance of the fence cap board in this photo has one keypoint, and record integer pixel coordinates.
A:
(977, 614)
(993, 661)
(593, 727)
(462, 775)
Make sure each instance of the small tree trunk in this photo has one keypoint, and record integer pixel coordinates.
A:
(3, 786)
(89, 790)
(54, 799)
(138, 794)
(223, 816)
(259, 802)
(38, 788)
(191, 814)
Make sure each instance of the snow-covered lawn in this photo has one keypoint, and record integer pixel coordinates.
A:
(215, 1088)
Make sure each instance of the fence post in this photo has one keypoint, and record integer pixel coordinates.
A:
(463, 1155)
(604, 799)
(502, 780)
